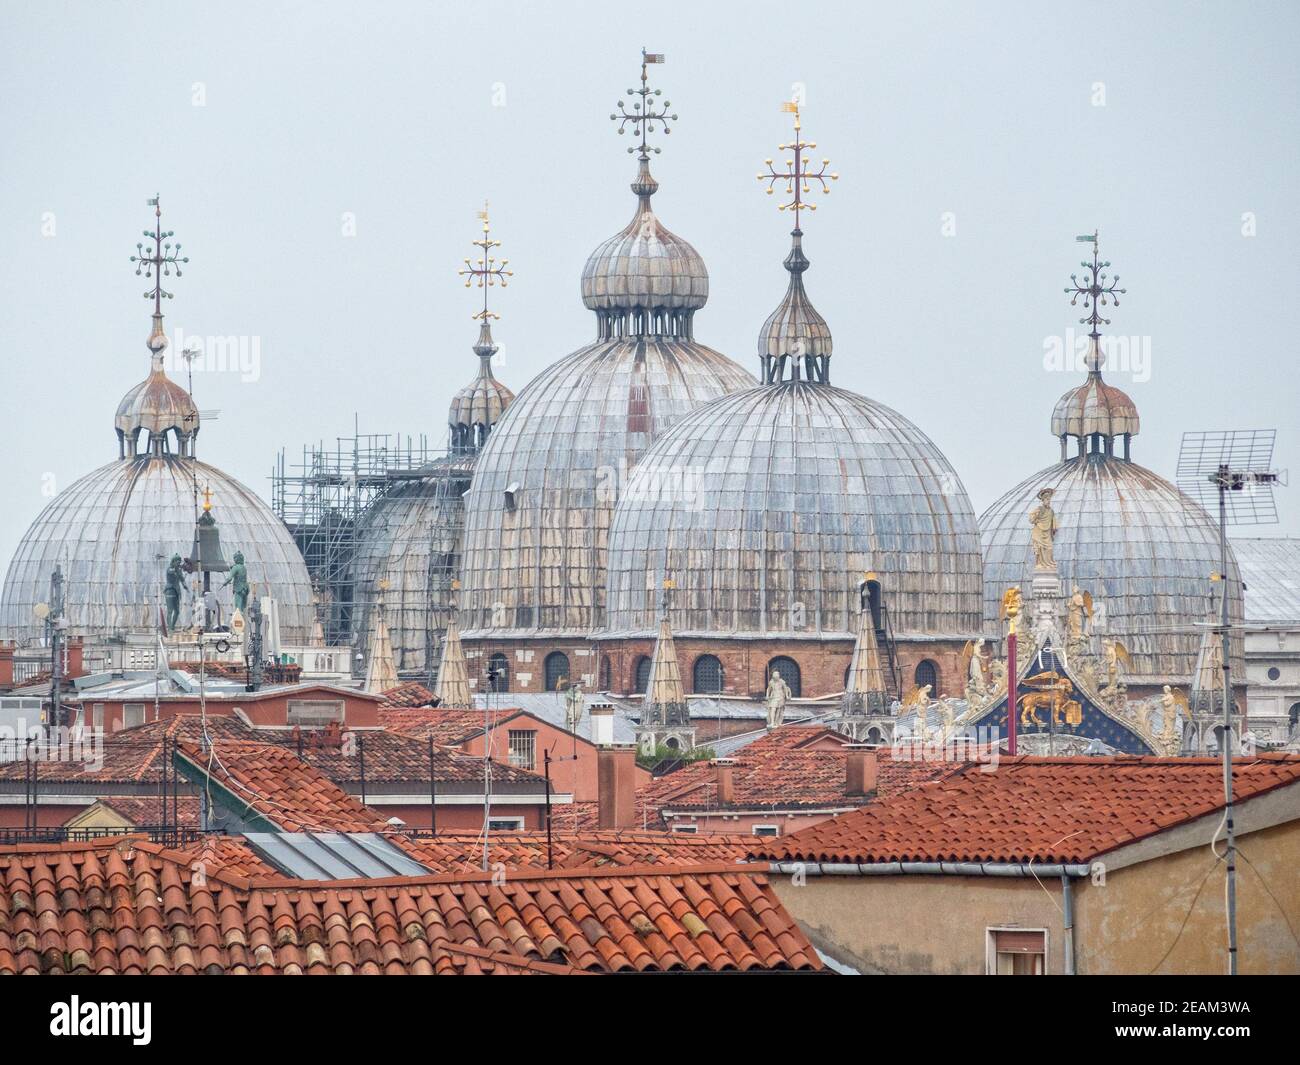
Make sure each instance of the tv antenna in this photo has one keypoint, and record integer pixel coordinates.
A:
(1233, 469)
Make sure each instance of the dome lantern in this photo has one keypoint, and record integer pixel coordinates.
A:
(795, 341)
(645, 280)
(1094, 413)
(477, 407)
(157, 411)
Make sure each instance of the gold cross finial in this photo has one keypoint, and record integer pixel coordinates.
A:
(207, 499)
(486, 270)
(798, 174)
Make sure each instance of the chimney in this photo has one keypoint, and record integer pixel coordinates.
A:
(602, 724)
(726, 785)
(616, 784)
(76, 659)
(861, 769)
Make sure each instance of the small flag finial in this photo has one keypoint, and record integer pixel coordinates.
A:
(159, 261)
(1096, 288)
(486, 270)
(644, 118)
(799, 175)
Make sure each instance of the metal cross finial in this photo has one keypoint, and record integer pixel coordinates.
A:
(798, 175)
(207, 499)
(1095, 289)
(486, 270)
(165, 258)
(643, 115)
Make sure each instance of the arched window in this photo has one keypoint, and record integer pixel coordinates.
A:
(789, 670)
(604, 673)
(927, 673)
(557, 669)
(707, 675)
(641, 679)
(498, 677)
(874, 604)
(874, 735)
(1294, 717)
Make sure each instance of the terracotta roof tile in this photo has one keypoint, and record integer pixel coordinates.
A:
(413, 693)
(274, 783)
(1032, 809)
(790, 768)
(450, 852)
(95, 908)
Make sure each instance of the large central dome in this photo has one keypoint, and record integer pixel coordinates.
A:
(538, 512)
(768, 506)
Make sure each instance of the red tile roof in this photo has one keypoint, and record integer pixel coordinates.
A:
(412, 693)
(127, 906)
(791, 768)
(449, 852)
(1027, 809)
(449, 726)
(272, 782)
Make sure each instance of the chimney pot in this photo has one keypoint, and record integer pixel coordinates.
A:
(602, 724)
(726, 782)
(861, 769)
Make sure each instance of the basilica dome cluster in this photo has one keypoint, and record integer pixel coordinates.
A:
(646, 488)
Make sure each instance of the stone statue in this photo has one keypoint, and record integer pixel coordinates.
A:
(1080, 608)
(1042, 519)
(172, 592)
(1113, 654)
(998, 673)
(778, 694)
(573, 703)
(976, 683)
(239, 578)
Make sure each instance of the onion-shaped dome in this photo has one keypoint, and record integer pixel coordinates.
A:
(1143, 549)
(477, 407)
(1095, 407)
(545, 484)
(767, 506)
(795, 331)
(113, 532)
(156, 407)
(645, 279)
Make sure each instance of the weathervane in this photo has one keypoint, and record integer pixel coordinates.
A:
(1095, 289)
(643, 115)
(798, 175)
(487, 271)
(166, 257)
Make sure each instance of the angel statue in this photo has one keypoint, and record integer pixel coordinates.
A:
(1171, 702)
(918, 699)
(1042, 519)
(1114, 654)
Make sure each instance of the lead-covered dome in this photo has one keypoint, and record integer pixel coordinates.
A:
(113, 531)
(1143, 549)
(768, 506)
(645, 270)
(538, 511)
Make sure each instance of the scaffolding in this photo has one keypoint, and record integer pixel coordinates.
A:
(323, 499)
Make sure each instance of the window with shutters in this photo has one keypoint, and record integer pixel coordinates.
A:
(1017, 951)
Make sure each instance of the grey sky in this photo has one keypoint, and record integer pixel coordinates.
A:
(390, 112)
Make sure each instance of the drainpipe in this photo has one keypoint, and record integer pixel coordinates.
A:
(1067, 901)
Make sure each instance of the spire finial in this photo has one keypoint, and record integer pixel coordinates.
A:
(798, 174)
(1096, 291)
(165, 258)
(643, 115)
(486, 270)
(795, 342)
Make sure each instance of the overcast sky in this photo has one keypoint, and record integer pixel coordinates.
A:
(322, 164)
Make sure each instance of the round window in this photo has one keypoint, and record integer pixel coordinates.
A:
(1274, 673)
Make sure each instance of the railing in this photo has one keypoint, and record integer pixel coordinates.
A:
(167, 835)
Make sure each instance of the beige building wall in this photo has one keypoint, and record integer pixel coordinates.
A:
(1159, 909)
